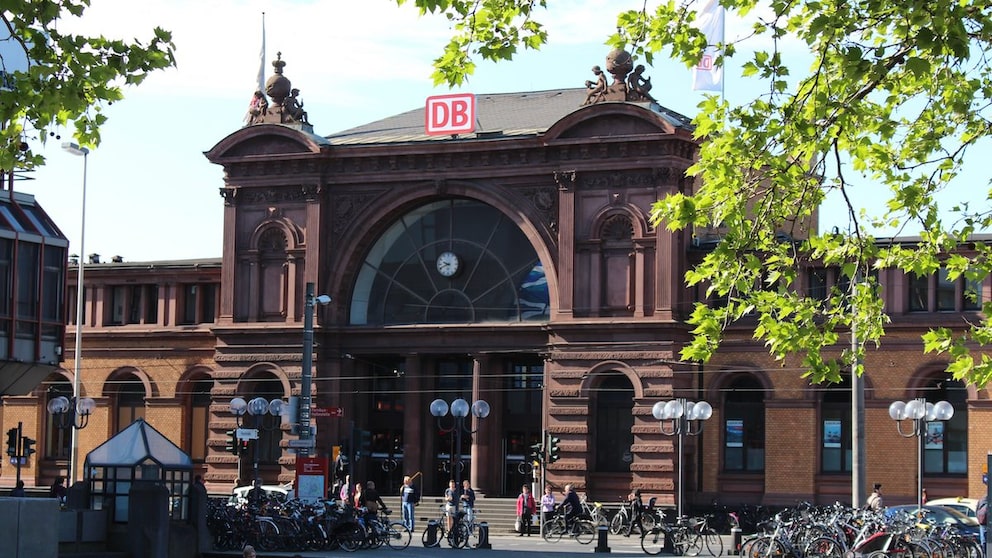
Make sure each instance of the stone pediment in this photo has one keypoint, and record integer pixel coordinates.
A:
(265, 140)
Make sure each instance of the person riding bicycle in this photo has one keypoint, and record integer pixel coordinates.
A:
(636, 509)
(371, 501)
(571, 506)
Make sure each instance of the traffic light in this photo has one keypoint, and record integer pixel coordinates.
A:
(366, 442)
(537, 453)
(27, 447)
(554, 452)
(243, 447)
(12, 442)
(232, 442)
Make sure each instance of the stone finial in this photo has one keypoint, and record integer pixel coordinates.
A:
(619, 64)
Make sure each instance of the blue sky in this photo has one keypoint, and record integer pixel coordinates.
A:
(152, 195)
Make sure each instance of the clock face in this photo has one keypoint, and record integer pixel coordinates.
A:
(448, 264)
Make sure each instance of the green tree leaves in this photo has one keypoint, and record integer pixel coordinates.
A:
(69, 77)
(897, 96)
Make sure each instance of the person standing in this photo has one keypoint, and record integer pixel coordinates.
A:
(525, 510)
(18, 491)
(409, 498)
(450, 496)
(547, 503)
(344, 493)
(58, 490)
(467, 498)
(874, 501)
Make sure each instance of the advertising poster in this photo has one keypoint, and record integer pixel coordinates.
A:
(735, 433)
(831, 433)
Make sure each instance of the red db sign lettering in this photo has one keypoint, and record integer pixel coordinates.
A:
(450, 114)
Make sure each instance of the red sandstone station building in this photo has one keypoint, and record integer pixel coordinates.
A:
(515, 263)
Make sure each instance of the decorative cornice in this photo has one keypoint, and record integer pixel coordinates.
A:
(615, 355)
(259, 357)
(230, 195)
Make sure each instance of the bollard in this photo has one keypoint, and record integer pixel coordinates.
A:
(735, 540)
(484, 536)
(430, 535)
(602, 544)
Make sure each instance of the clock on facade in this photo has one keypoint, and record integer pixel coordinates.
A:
(448, 264)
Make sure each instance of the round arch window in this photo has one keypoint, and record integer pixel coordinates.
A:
(450, 261)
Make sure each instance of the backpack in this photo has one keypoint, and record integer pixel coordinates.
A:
(415, 497)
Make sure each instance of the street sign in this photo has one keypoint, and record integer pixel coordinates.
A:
(308, 443)
(450, 114)
(325, 412)
(247, 433)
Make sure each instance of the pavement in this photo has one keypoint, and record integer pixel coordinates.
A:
(503, 546)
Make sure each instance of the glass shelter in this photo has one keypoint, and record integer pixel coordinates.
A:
(137, 454)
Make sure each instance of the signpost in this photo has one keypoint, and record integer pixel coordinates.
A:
(247, 434)
(326, 412)
(311, 477)
(450, 114)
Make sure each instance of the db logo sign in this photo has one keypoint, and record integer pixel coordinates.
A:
(450, 114)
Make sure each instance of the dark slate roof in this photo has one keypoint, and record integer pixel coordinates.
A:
(498, 115)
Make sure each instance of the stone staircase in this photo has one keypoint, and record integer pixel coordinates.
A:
(499, 513)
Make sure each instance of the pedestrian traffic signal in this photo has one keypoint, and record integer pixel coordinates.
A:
(537, 453)
(554, 452)
(27, 447)
(232, 442)
(12, 442)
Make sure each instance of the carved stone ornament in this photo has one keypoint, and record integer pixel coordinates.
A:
(629, 83)
(286, 108)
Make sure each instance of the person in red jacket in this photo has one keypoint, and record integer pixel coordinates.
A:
(526, 507)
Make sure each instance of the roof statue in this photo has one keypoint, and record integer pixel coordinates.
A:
(626, 86)
(286, 107)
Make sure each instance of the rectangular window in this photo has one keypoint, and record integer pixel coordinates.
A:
(6, 275)
(919, 293)
(117, 303)
(946, 299)
(208, 301)
(816, 284)
(151, 304)
(53, 285)
(188, 315)
(198, 433)
(744, 440)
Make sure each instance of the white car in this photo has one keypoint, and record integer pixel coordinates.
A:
(239, 496)
(967, 506)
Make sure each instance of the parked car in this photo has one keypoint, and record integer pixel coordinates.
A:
(967, 506)
(967, 526)
(239, 496)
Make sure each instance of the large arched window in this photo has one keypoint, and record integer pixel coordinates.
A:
(614, 424)
(744, 426)
(451, 261)
(945, 447)
(128, 394)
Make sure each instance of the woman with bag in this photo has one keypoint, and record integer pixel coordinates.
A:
(525, 510)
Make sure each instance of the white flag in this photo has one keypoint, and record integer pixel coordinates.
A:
(261, 61)
(707, 75)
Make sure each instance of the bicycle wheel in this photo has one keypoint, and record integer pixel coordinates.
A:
(458, 538)
(268, 536)
(653, 541)
(713, 541)
(619, 522)
(648, 521)
(351, 537)
(553, 531)
(688, 543)
(824, 547)
(398, 536)
(585, 532)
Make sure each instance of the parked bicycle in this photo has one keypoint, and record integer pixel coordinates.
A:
(688, 536)
(580, 529)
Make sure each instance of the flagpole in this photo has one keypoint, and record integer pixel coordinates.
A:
(261, 60)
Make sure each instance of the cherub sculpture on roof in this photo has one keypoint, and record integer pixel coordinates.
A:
(619, 64)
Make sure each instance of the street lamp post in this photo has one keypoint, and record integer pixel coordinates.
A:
(75, 149)
(921, 413)
(684, 418)
(306, 376)
(459, 411)
(257, 408)
(71, 413)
